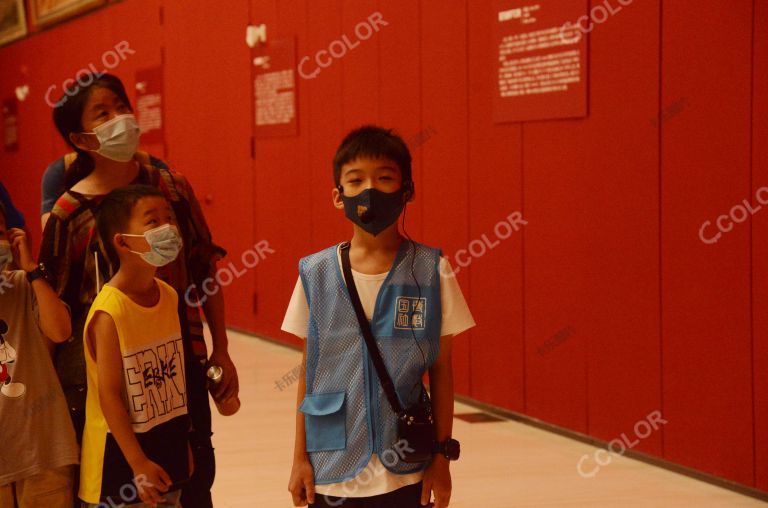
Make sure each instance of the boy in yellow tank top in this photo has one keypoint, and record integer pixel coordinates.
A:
(135, 449)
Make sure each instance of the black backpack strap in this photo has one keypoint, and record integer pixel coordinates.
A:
(365, 327)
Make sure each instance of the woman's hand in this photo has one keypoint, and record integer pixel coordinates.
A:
(437, 479)
(229, 386)
(302, 482)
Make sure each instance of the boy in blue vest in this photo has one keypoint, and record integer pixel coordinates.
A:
(347, 451)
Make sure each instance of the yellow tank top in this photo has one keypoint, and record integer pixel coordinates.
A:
(154, 392)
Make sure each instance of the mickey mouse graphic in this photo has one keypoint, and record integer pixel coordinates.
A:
(8, 356)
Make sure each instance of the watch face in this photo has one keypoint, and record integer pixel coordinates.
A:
(452, 449)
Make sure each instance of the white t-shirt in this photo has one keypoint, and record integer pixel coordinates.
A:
(375, 479)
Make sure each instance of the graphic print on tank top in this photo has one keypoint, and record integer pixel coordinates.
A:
(8, 357)
(155, 384)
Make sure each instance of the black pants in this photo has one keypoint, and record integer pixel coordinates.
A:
(406, 497)
(197, 492)
(77, 413)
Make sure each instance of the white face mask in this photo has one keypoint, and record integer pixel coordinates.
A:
(164, 245)
(6, 256)
(118, 138)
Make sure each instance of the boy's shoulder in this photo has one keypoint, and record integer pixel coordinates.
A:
(169, 290)
(429, 248)
(311, 261)
(104, 299)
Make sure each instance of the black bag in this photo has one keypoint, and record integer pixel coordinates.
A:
(415, 424)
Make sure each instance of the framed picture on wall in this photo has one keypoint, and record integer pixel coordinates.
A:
(13, 22)
(48, 12)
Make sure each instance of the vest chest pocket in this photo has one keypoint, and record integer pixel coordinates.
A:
(325, 421)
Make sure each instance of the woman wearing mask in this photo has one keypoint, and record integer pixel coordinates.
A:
(97, 122)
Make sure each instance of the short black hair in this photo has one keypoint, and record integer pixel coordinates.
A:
(114, 214)
(374, 142)
(3, 214)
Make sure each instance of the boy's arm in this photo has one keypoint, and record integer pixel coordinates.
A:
(300, 443)
(302, 482)
(102, 335)
(437, 478)
(103, 339)
(55, 321)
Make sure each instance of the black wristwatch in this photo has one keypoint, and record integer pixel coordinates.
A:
(38, 273)
(450, 449)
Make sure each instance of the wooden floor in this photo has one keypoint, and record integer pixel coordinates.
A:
(504, 464)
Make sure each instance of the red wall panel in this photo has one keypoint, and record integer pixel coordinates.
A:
(400, 91)
(326, 125)
(760, 241)
(705, 303)
(556, 254)
(621, 244)
(360, 63)
(495, 192)
(208, 137)
(445, 177)
(283, 190)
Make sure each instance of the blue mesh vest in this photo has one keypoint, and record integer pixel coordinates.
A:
(346, 412)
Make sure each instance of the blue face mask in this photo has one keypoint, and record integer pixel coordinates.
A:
(164, 245)
(374, 210)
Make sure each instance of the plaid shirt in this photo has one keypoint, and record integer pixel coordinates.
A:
(70, 240)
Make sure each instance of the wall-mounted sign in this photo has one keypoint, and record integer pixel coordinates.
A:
(541, 70)
(149, 105)
(274, 88)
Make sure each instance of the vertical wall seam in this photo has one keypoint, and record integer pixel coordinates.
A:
(468, 187)
(751, 246)
(522, 269)
(419, 37)
(660, 161)
(588, 86)
(343, 71)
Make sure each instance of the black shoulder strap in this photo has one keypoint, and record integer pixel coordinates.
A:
(365, 327)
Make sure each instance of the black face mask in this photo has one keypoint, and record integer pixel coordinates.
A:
(374, 210)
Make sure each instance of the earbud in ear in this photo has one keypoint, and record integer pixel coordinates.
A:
(408, 188)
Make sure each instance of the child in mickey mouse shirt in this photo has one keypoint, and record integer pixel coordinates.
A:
(38, 448)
